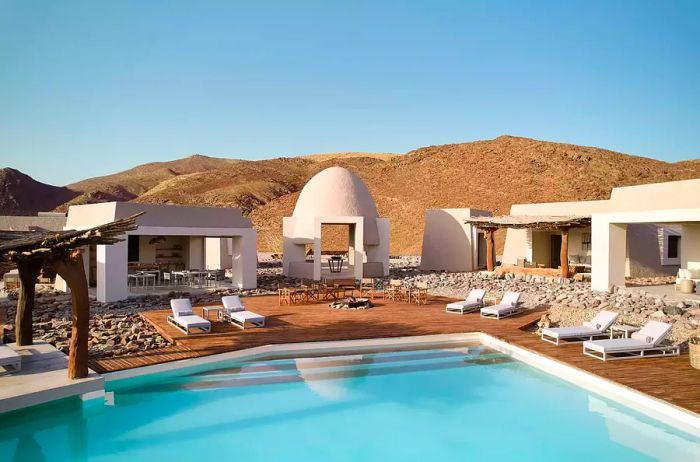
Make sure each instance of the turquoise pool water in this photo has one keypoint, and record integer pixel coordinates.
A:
(461, 404)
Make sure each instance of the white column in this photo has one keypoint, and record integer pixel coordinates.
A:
(358, 248)
(317, 249)
(609, 253)
(111, 272)
(244, 265)
(196, 252)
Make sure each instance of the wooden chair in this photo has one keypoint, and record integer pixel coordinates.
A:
(419, 293)
(286, 295)
(367, 288)
(394, 291)
(345, 286)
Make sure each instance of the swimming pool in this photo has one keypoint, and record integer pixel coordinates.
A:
(465, 403)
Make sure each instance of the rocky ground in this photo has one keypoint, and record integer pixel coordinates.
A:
(118, 329)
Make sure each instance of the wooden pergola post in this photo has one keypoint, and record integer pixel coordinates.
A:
(70, 268)
(28, 272)
(488, 235)
(564, 253)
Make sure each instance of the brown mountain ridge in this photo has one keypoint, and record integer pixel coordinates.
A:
(490, 174)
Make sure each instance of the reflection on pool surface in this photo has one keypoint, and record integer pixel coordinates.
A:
(466, 403)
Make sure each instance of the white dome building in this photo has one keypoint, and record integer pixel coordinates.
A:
(336, 196)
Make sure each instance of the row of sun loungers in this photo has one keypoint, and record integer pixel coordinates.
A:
(646, 343)
(232, 310)
(509, 305)
(595, 334)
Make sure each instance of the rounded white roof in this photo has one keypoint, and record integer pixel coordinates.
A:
(335, 191)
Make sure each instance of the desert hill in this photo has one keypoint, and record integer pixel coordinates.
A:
(21, 194)
(490, 174)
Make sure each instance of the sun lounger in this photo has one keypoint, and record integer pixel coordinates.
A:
(184, 319)
(10, 360)
(643, 344)
(596, 327)
(474, 301)
(510, 305)
(235, 313)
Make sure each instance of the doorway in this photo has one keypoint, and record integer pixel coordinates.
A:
(555, 250)
(481, 251)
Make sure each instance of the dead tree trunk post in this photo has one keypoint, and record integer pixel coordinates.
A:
(28, 272)
(70, 268)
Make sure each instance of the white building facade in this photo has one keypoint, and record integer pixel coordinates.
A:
(335, 196)
(168, 238)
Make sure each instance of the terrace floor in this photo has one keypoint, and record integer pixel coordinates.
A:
(671, 379)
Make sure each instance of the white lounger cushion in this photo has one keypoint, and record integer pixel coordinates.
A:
(653, 332)
(510, 298)
(181, 307)
(573, 331)
(649, 337)
(616, 345)
(192, 322)
(474, 300)
(247, 316)
(602, 321)
(497, 309)
(232, 303)
(463, 304)
(475, 296)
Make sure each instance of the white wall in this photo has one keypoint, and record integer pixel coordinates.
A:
(195, 252)
(380, 253)
(111, 272)
(448, 243)
(244, 262)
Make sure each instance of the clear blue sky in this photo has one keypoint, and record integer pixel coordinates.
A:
(90, 88)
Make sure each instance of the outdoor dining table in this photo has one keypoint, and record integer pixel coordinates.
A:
(156, 273)
(189, 276)
(144, 277)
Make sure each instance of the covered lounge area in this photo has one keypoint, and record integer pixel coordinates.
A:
(174, 246)
(559, 226)
(610, 232)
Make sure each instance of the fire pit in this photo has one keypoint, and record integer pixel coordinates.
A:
(352, 303)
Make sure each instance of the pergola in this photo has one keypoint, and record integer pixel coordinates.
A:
(544, 222)
(29, 251)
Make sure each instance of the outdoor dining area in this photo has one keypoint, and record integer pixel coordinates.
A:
(332, 290)
(153, 278)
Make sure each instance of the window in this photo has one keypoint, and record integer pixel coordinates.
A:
(133, 252)
(586, 241)
(673, 246)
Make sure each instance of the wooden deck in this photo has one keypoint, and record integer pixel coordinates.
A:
(671, 379)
